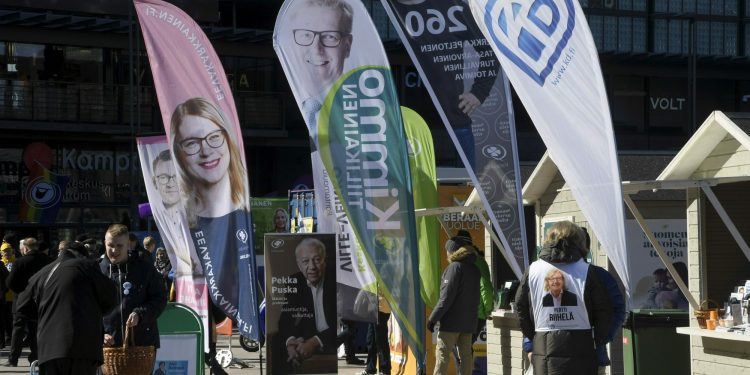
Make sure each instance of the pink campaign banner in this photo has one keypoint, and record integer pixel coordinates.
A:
(205, 140)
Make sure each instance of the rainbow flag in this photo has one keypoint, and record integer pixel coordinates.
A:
(42, 196)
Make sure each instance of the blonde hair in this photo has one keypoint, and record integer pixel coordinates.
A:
(116, 230)
(148, 241)
(203, 108)
(549, 274)
(568, 232)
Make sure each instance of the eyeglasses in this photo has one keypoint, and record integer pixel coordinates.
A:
(165, 178)
(192, 146)
(328, 39)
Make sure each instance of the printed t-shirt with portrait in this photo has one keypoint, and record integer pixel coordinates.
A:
(565, 313)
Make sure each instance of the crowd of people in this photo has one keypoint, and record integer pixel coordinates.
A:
(568, 309)
(52, 299)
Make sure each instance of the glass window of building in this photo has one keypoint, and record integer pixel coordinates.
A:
(639, 5)
(627, 95)
(703, 7)
(660, 36)
(702, 34)
(29, 60)
(625, 36)
(730, 7)
(83, 64)
(730, 39)
(595, 23)
(717, 7)
(717, 37)
(625, 5)
(610, 33)
(674, 5)
(639, 35)
(688, 6)
(675, 37)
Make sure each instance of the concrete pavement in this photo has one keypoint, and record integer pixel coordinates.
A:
(251, 359)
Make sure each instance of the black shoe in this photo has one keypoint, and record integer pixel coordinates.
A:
(354, 361)
(10, 363)
(216, 368)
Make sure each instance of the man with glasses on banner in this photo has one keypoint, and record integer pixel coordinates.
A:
(165, 181)
(322, 32)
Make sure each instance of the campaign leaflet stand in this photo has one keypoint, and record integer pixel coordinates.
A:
(181, 334)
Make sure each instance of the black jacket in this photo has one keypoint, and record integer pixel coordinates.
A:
(565, 352)
(141, 290)
(456, 310)
(25, 267)
(69, 307)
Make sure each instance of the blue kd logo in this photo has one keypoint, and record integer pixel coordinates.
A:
(524, 47)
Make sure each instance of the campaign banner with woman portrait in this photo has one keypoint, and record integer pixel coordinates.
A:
(472, 96)
(301, 303)
(205, 140)
(341, 78)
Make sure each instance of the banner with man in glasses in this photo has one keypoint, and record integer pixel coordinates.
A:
(163, 193)
(340, 76)
(313, 60)
(205, 140)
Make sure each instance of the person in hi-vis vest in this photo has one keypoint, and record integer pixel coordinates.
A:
(560, 302)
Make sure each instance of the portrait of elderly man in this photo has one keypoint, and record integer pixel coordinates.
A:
(307, 325)
(554, 283)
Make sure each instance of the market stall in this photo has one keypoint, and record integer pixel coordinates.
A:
(715, 167)
(547, 192)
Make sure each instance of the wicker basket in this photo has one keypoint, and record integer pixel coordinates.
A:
(702, 314)
(128, 359)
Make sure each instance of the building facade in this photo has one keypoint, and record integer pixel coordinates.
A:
(76, 88)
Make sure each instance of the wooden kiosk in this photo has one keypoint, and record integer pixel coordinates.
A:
(546, 190)
(714, 168)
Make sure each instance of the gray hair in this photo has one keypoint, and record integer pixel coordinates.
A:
(312, 242)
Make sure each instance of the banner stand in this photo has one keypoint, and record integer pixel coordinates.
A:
(181, 332)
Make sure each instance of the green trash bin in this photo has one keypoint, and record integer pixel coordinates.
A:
(651, 344)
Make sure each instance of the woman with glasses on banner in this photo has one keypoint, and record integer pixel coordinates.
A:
(210, 163)
(212, 176)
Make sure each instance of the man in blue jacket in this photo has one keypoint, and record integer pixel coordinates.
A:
(141, 293)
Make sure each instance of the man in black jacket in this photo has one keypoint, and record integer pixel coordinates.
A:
(69, 296)
(31, 261)
(457, 308)
(140, 291)
(315, 331)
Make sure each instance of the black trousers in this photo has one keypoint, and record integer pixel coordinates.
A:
(346, 337)
(22, 327)
(68, 366)
(378, 349)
